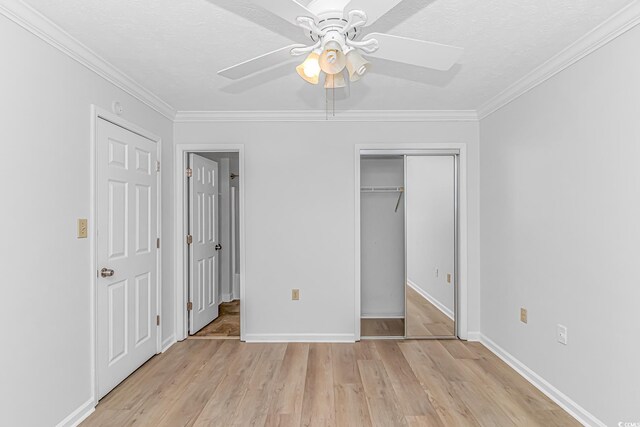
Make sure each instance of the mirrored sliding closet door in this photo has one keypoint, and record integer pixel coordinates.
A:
(431, 212)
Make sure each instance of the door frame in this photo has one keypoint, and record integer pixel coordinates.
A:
(98, 113)
(462, 217)
(180, 227)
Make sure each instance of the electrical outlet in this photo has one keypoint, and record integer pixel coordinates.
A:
(523, 315)
(295, 294)
(82, 228)
(561, 334)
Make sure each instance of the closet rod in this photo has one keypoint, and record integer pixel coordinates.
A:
(381, 189)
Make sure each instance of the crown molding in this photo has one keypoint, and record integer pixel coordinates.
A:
(45, 29)
(613, 27)
(320, 115)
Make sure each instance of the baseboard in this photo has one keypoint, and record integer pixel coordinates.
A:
(474, 336)
(171, 340)
(431, 299)
(564, 401)
(227, 297)
(300, 338)
(79, 415)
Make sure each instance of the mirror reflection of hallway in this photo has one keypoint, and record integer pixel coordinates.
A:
(430, 245)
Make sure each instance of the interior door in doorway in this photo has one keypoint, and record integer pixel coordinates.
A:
(126, 215)
(203, 249)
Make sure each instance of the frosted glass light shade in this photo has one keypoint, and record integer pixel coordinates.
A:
(332, 59)
(309, 70)
(334, 81)
(357, 65)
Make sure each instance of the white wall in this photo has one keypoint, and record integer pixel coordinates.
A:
(560, 229)
(382, 239)
(300, 211)
(44, 170)
(431, 227)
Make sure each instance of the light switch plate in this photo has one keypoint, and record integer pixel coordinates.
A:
(523, 315)
(82, 228)
(295, 294)
(562, 334)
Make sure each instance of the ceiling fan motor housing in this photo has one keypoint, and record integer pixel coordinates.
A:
(328, 9)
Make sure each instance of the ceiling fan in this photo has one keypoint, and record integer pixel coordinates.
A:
(336, 29)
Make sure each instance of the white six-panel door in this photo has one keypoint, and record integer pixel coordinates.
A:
(203, 255)
(126, 184)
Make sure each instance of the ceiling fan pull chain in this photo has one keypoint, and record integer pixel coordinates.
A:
(333, 94)
(326, 104)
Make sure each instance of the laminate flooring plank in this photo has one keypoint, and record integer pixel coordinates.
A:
(411, 397)
(384, 407)
(318, 406)
(451, 410)
(223, 403)
(285, 408)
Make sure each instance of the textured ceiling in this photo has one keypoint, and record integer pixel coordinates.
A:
(174, 48)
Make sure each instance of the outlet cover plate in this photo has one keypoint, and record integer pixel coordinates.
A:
(82, 228)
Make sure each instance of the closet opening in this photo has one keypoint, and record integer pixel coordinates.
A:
(409, 244)
(382, 210)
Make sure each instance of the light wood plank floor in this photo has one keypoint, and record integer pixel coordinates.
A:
(425, 319)
(370, 383)
(382, 327)
(226, 325)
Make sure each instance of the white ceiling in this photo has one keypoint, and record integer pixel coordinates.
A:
(174, 49)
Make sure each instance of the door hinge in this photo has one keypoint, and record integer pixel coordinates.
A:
(157, 165)
(189, 239)
(158, 320)
(189, 306)
(158, 243)
(189, 172)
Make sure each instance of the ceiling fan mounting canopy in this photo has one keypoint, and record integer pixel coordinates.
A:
(335, 28)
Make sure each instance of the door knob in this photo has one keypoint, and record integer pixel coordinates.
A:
(106, 272)
(218, 247)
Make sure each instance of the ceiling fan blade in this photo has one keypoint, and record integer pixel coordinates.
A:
(374, 9)
(415, 52)
(259, 63)
(288, 10)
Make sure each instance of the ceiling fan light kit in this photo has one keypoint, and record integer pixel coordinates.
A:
(309, 70)
(335, 81)
(335, 28)
(356, 65)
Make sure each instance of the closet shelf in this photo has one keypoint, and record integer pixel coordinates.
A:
(381, 189)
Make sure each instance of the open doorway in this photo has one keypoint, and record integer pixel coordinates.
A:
(213, 272)
(209, 260)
